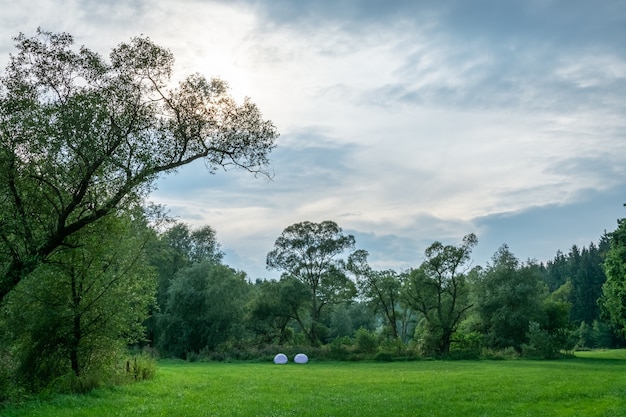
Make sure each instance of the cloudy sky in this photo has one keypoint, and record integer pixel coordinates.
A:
(404, 121)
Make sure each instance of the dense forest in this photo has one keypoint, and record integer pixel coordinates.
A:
(90, 272)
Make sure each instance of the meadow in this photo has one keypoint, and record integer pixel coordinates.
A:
(592, 384)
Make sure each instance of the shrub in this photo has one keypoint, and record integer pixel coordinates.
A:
(541, 344)
(140, 367)
(366, 341)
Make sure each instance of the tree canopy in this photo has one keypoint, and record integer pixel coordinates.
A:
(81, 137)
(311, 252)
(614, 289)
(439, 290)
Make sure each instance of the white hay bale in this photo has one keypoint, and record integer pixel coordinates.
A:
(301, 358)
(281, 359)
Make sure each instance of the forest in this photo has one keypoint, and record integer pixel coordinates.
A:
(94, 280)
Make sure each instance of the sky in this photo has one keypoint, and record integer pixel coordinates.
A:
(406, 122)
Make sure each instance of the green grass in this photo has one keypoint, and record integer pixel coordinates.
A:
(594, 384)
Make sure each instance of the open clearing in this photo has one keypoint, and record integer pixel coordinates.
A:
(593, 384)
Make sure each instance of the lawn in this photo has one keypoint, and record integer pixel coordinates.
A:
(593, 384)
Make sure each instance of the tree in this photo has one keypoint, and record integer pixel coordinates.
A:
(614, 289)
(310, 252)
(583, 269)
(205, 307)
(179, 247)
(587, 277)
(75, 313)
(509, 295)
(81, 138)
(439, 291)
(382, 290)
(556, 272)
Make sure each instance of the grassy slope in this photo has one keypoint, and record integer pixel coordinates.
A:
(592, 385)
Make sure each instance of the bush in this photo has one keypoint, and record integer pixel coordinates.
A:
(366, 341)
(341, 348)
(541, 344)
(140, 367)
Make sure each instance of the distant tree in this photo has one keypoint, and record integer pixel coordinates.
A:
(81, 138)
(310, 252)
(582, 268)
(509, 295)
(193, 245)
(439, 291)
(382, 290)
(343, 319)
(205, 307)
(76, 313)
(178, 248)
(587, 277)
(614, 289)
(556, 272)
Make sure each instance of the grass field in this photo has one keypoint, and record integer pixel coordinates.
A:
(594, 384)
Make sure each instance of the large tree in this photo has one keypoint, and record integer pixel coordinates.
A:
(439, 291)
(311, 252)
(81, 137)
(76, 312)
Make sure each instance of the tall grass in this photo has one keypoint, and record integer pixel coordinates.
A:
(594, 384)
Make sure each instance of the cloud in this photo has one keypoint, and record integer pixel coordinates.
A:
(539, 232)
(406, 122)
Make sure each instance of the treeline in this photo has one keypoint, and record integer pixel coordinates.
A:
(138, 280)
(332, 301)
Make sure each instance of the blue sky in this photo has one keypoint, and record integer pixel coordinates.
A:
(405, 122)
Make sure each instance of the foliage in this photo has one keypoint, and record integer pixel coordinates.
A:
(614, 289)
(541, 344)
(273, 306)
(140, 367)
(310, 252)
(366, 341)
(587, 278)
(81, 137)
(382, 290)
(205, 307)
(439, 291)
(582, 268)
(508, 297)
(345, 318)
(174, 249)
(73, 315)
